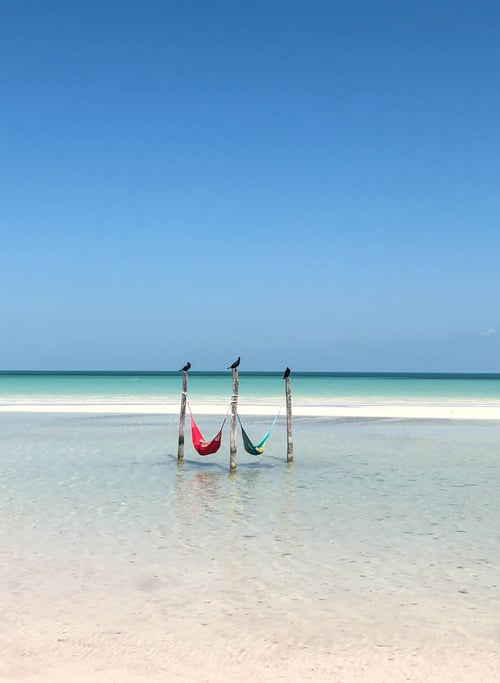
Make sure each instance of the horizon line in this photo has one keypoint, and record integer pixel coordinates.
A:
(391, 373)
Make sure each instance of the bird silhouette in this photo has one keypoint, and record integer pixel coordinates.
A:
(286, 373)
(186, 367)
(235, 364)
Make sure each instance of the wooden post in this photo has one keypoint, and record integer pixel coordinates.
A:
(182, 420)
(289, 437)
(234, 412)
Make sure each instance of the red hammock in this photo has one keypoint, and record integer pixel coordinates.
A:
(200, 444)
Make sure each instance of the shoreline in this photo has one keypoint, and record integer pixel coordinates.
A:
(354, 410)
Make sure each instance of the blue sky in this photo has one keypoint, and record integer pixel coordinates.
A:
(313, 184)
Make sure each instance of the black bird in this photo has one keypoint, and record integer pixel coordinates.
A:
(286, 373)
(235, 364)
(186, 367)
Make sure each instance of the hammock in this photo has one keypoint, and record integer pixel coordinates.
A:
(200, 444)
(257, 448)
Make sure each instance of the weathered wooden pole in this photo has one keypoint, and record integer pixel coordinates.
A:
(182, 419)
(234, 413)
(289, 437)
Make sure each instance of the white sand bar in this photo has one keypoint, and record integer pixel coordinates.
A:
(353, 410)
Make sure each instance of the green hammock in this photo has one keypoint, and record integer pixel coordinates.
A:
(257, 448)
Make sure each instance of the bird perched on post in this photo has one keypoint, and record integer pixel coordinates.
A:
(286, 373)
(235, 364)
(186, 367)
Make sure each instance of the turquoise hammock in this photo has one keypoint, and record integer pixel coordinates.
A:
(257, 448)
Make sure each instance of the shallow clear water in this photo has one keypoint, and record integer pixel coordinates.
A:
(381, 530)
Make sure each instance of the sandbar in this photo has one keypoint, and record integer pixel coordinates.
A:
(413, 411)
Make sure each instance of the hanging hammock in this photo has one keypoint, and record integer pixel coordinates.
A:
(258, 448)
(200, 444)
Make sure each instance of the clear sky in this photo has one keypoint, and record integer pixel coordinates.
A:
(309, 183)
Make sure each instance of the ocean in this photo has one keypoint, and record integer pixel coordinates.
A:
(376, 550)
(215, 387)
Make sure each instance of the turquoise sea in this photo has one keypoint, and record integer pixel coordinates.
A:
(377, 549)
(215, 387)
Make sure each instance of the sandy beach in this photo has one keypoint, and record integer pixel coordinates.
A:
(347, 663)
(424, 411)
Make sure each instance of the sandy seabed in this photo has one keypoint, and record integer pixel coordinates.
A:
(165, 660)
(114, 652)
